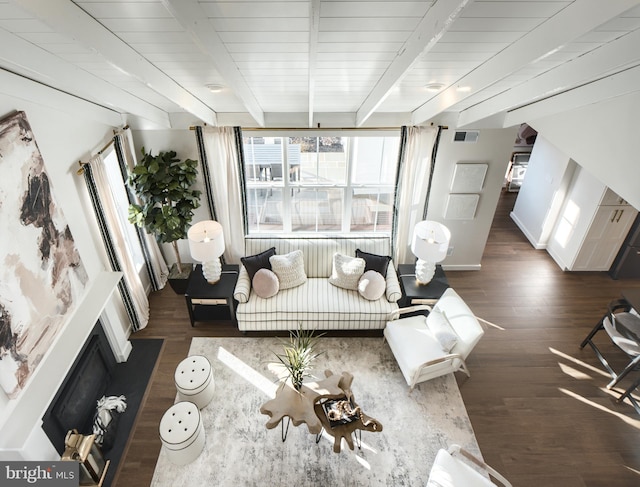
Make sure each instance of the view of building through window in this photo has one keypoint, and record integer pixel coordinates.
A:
(327, 184)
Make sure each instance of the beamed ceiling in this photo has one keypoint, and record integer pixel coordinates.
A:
(335, 63)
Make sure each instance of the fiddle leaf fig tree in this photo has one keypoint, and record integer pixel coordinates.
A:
(164, 185)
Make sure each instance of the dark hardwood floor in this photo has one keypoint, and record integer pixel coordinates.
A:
(537, 403)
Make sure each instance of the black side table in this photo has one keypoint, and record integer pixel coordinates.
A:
(212, 302)
(415, 293)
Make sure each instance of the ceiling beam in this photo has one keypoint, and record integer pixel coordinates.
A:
(433, 25)
(194, 20)
(575, 20)
(65, 76)
(314, 28)
(34, 92)
(607, 58)
(618, 84)
(66, 18)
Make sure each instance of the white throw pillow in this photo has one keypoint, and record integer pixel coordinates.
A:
(265, 283)
(347, 271)
(372, 285)
(289, 268)
(441, 328)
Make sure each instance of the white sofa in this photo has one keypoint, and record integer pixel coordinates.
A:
(316, 304)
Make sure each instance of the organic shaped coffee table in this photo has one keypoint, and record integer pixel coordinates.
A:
(311, 404)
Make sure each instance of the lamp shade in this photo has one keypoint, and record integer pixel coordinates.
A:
(206, 241)
(430, 241)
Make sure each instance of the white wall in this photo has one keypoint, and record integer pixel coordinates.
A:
(468, 237)
(542, 192)
(603, 138)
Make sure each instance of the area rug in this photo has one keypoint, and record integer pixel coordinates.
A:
(240, 451)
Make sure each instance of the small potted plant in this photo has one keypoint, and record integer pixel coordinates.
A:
(299, 355)
(164, 185)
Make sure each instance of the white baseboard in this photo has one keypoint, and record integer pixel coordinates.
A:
(536, 245)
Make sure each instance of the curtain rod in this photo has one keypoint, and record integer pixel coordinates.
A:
(106, 146)
(257, 129)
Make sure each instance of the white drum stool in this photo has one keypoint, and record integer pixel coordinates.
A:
(182, 432)
(194, 380)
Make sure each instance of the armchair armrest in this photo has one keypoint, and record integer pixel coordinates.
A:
(410, 309)
(393, 291)
(243, 286)
(439, 360)
(457, 449)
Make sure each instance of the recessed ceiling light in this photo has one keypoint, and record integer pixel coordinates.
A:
(434, 87)
(215, 88)
(464, 89)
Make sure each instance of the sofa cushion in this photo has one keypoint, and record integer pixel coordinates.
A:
(265, 283)
(253, 263)
(442, 330)
(462, 320)
(289, 268)
(318, 252)
(347, 271)
(374, 262)
(316, 304)
(371, 285)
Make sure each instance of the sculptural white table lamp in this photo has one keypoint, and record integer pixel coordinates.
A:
(430, 244)
(206, 243)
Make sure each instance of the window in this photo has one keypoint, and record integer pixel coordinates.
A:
(320, 184)
(118, 191)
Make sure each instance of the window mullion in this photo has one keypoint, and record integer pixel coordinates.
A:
(348, 191)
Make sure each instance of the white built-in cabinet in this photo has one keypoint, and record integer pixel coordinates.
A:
(609, 227)
(591, 226)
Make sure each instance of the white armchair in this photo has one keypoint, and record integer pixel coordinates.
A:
(435, 345)
(450, 470)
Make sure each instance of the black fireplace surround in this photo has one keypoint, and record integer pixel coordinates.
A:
(74, 405)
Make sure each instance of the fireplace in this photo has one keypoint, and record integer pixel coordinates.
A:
(74, 404)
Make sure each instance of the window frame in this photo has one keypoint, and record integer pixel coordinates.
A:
(287, 186)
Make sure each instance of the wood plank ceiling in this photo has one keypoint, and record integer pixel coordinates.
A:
(342, 63)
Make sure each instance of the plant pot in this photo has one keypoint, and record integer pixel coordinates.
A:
(179, 281)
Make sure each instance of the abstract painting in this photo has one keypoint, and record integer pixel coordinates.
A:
(42, 278)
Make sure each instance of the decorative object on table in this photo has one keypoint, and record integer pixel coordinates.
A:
(299, 355)
(340, 411)
(84, 450)
(163, 184)
(42, 278)
(105, 421)
(206, 243)
(429, 244)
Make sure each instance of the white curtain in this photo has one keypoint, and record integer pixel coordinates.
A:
(156, 265)
(222, 160)
(411, 192)
(134, 296)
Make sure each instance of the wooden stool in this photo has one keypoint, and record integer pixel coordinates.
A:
(182, 433)
(194, 380)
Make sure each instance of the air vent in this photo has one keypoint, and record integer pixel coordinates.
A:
(468, 136)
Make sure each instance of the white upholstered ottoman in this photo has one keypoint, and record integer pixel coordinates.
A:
(182, 433)
(194, 380)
